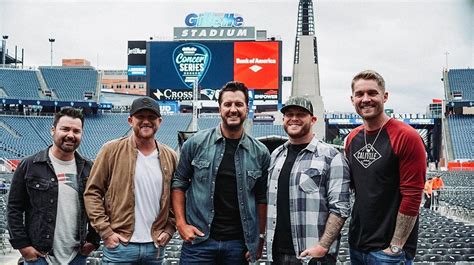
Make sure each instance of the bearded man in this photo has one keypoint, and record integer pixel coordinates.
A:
(219, 188)
(308, 193)
(128, 197)
(46, 216)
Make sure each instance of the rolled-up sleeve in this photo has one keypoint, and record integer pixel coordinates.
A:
(184, 171)
(338, 186)
(261, 185)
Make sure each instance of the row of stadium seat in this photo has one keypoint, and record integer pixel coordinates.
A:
(462, 80)
(68, 84)
(29, 134)
(461, 128)
(22, 84)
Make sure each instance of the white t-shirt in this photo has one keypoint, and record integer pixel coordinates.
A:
(66, 241)
(148, 189)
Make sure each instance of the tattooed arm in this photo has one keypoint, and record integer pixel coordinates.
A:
(403, 227)
(331, 232)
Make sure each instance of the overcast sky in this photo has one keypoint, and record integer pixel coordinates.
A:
(405, 41)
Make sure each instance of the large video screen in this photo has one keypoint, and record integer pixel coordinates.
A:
(174, 67)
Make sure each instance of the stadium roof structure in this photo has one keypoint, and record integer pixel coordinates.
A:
(9, 59)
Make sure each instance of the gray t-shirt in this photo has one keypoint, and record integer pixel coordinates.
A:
(66, 241)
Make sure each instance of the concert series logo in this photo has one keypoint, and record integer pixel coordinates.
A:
(191, 61)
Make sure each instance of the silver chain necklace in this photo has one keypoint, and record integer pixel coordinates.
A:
(370, 147)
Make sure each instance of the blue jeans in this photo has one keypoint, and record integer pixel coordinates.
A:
(377, 258)
(78, 260)
(231, 252)
(133, 253)
(287, 259)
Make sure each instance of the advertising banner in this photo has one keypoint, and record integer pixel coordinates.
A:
(257, 64)
(175, 67)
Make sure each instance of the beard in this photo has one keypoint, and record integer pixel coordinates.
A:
(233, 125)
(139, 133)
(66, 145)
(300, 131)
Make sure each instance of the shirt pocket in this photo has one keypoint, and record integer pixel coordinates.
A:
(310, 180)
(201, 169)
(252, 176)
(38, 191)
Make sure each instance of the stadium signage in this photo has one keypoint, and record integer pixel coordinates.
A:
(266, 97)
(136, 51)
(139, 70)
(209, 33)
(419, 121)
(210, 19)
(191, 61)
(168, 107)
(169, 94)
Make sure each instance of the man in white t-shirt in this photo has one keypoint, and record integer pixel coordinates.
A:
(46, 215)
(128, 194)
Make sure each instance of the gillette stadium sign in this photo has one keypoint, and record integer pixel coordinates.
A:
(214, 26)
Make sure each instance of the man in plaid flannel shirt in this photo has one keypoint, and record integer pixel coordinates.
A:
(308, 193)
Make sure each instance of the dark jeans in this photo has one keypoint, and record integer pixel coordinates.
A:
(427, 204)
(231, 252)
(377, 258)
(290, 259)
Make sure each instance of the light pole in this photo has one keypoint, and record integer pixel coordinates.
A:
(446, 54)
(4, 49)
(51, 41)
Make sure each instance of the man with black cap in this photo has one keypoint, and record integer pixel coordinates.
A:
(127, 196)
(308, 192)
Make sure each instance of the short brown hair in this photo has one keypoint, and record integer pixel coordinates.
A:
(70, 112)
(369, 75)
(234, 86)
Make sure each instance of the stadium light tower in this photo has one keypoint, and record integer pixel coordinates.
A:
(4, 49)
(51, 41)
(306, 66)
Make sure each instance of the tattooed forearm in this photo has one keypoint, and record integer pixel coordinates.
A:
(331, 232)
(404, 225)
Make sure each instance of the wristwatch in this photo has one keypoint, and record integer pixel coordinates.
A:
(395, 249)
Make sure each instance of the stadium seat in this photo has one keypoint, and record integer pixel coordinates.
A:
(431, 258)
(468, 257)
(453, 257)
(441, 245)
(450, 239)
(424, 246)
(458, 245)
(343, 251)
(439, 251)
(421, 252)
(344, 258)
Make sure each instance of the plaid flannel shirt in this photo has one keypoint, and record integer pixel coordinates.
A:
(319, 185)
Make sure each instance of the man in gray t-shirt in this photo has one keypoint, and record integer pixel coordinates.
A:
(46, 214)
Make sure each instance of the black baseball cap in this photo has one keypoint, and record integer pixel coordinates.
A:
(298, 101)
(145, 103)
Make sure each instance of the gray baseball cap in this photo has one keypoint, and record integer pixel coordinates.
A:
(298, 101)
(142, 103)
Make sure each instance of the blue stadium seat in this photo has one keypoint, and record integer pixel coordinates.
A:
(70, 83)
(20, 84)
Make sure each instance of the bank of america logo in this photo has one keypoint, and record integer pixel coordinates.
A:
(191, 61)
(255, 68)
